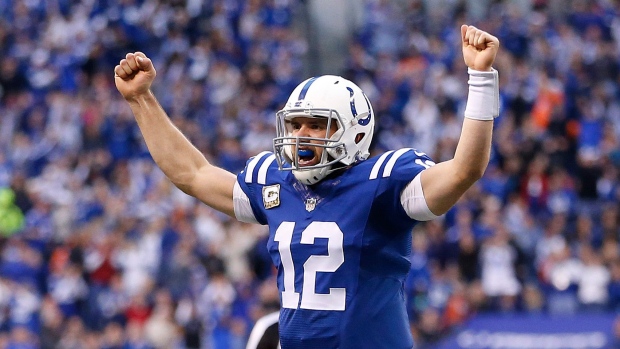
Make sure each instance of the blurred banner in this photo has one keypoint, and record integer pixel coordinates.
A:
(534, 331)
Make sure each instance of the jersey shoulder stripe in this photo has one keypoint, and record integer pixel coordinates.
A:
(262, 172)
(375, 169)
(249, 171)
(391, 157)
(390, 164)
(398, 164)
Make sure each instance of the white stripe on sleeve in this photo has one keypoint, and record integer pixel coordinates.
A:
(387, 171)
(252, 165)
(375, 169)
(262, 172)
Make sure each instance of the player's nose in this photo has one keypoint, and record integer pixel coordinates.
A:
(304, 131)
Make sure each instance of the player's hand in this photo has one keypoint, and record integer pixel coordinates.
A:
(133, 75)
(479, 48)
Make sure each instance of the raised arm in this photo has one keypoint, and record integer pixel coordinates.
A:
(444, 183)
(180, 161)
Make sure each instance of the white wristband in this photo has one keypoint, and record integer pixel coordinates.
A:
(483, 98)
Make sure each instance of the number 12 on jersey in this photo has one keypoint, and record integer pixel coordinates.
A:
(335, 299)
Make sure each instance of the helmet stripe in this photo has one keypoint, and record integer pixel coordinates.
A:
(305, 89)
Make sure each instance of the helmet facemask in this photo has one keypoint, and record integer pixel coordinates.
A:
(333, 148)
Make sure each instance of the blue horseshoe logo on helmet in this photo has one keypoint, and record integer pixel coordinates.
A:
(365, 121)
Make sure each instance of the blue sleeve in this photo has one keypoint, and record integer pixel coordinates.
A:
(250, 190)
(400, 168)
(252, 180)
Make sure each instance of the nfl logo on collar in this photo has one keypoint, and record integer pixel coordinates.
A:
(310, 204)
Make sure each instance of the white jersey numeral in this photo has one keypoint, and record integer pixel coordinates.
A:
(425, 163)
(335, 299)
(283, 236)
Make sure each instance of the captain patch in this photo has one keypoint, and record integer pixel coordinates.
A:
(271, 196)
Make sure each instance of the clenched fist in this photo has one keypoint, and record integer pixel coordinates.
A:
(133, 75)
(479, 48)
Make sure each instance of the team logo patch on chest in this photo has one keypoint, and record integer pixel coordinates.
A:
(271, 196)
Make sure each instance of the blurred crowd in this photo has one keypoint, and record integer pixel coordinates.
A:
(99, 250)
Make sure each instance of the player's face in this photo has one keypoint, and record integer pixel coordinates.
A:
(311, 128)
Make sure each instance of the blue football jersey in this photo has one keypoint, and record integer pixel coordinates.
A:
(341, 248)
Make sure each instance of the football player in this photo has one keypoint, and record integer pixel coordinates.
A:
(340, 222)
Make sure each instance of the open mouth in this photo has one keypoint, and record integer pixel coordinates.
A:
(306, 157)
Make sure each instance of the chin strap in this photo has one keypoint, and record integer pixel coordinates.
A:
(310, 177)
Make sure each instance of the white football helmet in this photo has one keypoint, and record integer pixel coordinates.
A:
(340, 101)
